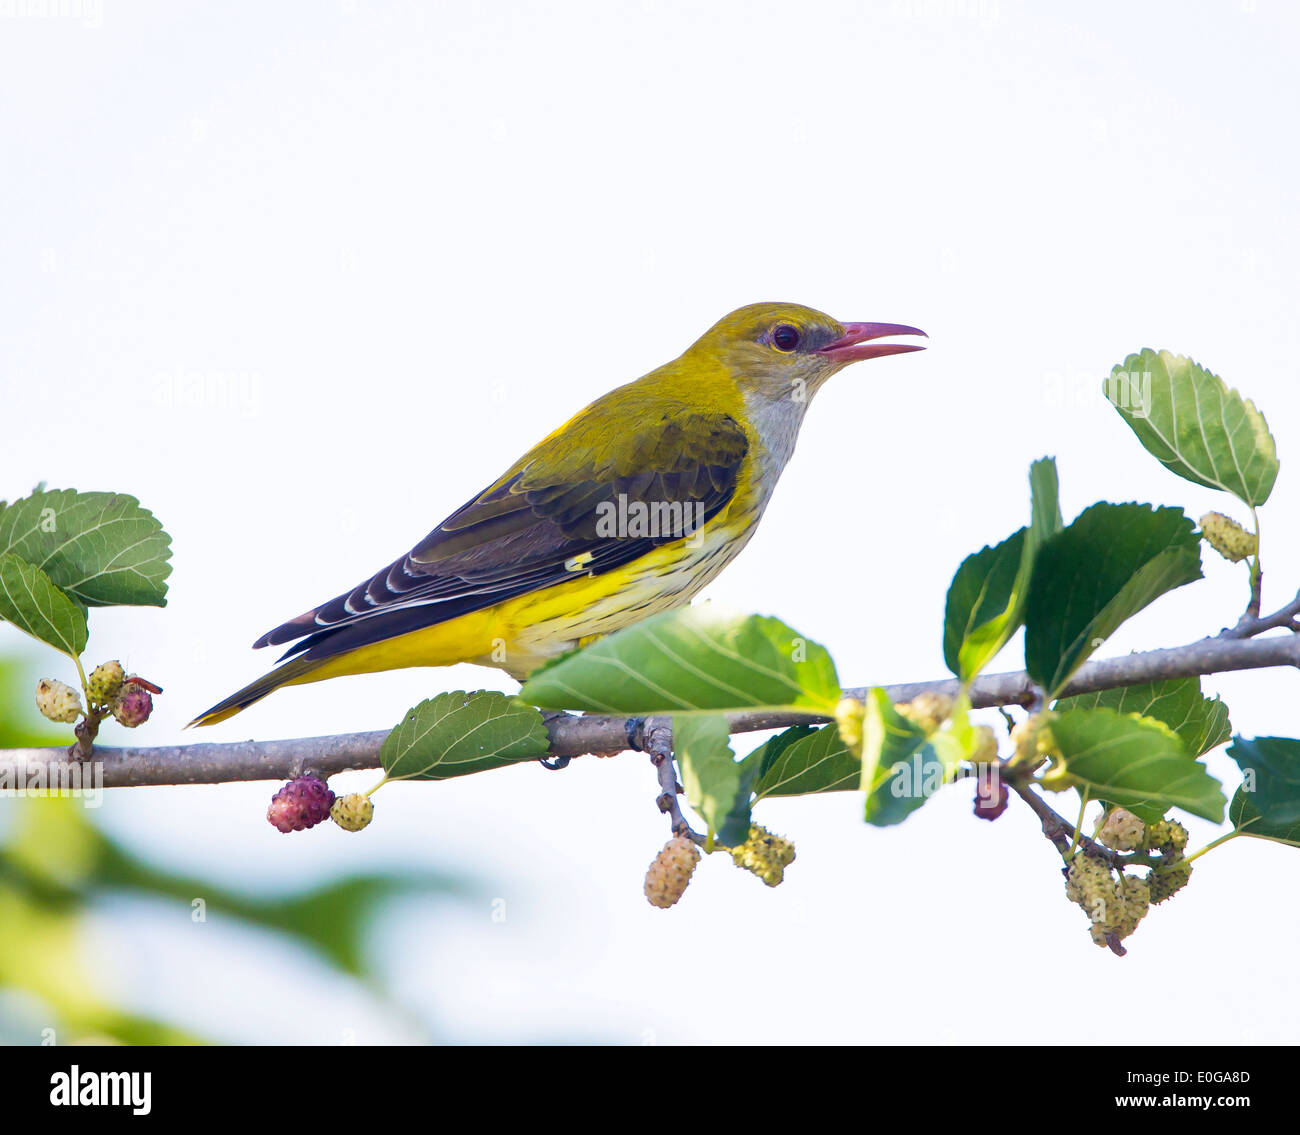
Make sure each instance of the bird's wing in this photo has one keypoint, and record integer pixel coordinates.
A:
(544, 522)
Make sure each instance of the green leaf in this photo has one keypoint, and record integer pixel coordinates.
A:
(693, 660)
(803, 760)
(33, 604)
(1195, 426)
(1136, 762)
(455, 734)
(1104, 568)
(1248, 820)
(986, 599)
(1200, 722)
(101, 548)
(1267, 805)
(913, 779)
(1044, 500)
(978, 616)
(710, 774)
(889, 742)
(908, 785)
(767, 754)
(735, 825)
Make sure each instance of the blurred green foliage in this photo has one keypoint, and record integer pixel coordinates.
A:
(54, 863)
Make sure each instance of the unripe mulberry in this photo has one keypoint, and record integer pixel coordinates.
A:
(1088, 883)
(58, 701)
(133, 705)
(105, 683)
(1120, 830)
(1165, 882)
(1113, 908)
(671, 871)
(984, 751)
(764, 854)
(302, 803)
(849, 714)
(928, 711)
(1032, 739)
(1134, 900)
(1168, 837)
(352, 812)
(1227, 537)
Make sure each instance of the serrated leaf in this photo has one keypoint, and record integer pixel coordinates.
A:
(1200, 722)
(804, 760)
(710, 773)
(1194, 425)
(1136, 762)
(455, 734)
(1267, 805)
(30, 601)
(1109, 564)
(986, 599)
(698, 659)
(101, 549)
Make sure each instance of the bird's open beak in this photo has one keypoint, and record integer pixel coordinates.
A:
(856, 343)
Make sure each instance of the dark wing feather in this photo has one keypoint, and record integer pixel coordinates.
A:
(523, 533)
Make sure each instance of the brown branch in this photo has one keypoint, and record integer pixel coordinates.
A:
(1063, 834)
(656, 739)
(1250, 624)
(571, 735)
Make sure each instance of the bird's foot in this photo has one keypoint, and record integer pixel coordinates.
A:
(634, 731)
(554, 763)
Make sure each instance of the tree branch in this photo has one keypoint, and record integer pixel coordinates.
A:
(573, 735)
(1062, 833)
(1250, 625)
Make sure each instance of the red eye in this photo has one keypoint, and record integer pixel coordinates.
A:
(785, 337)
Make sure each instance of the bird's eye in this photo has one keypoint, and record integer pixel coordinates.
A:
(785, 337)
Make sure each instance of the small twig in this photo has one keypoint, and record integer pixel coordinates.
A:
(1065, 835)
(1250, 624)
(1256, 572)
(83, 748)
(657, 742)
(1256, 589)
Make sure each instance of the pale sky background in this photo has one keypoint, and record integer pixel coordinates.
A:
(304, 277)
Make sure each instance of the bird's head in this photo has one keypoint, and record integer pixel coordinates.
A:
(784, 350)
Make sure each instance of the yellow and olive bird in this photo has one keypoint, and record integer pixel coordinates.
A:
(564, 547)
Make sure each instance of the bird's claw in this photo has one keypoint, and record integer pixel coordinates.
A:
(633, 730)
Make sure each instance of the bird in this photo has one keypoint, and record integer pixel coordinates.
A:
(628, 509)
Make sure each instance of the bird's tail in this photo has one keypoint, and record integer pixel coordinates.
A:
(284, 675)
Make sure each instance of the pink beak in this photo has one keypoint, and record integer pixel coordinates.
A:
(856, 343)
